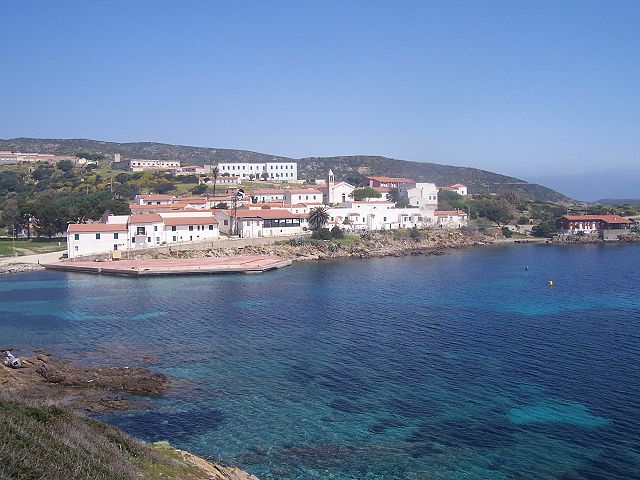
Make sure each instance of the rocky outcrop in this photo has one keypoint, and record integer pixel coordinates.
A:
(92, 388)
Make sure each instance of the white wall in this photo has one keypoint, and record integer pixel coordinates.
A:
(87, 244)
(279, 171)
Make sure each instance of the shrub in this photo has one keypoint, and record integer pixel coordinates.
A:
(415, 234)
(523, 220)
(506, 232)
(366, 235)
(336, 232)
(321, 234)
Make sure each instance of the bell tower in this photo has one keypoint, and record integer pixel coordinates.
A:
(330, 184)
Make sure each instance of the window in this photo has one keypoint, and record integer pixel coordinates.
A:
(148, 239)
(115, 236)
(76, 236)
(76, 248)
(226, 222)
(191, 228)
(97, 236)
(173, 228)
(210, 227)
(155, 228)
(133, 240)
(140, 231)
(175, 238)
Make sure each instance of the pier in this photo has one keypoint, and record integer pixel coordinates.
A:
(175, 266)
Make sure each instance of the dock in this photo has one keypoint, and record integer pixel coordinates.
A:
(175, 266)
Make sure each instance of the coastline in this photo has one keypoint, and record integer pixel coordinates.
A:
(44, 383)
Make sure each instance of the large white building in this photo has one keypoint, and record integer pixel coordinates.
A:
(276, 171)
(127, 232)
(254, 223)
(422, 195)
(140, 165)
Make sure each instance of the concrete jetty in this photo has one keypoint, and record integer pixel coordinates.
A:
(175, 266)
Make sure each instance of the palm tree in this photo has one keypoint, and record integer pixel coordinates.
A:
(215, 171)
(318, 217)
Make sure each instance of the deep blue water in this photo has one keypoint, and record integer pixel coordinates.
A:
(463, 366)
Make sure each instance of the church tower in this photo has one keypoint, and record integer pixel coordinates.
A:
(330, 184)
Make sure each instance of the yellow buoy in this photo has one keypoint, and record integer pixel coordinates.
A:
(550, 283)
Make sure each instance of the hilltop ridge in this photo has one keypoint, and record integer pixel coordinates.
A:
(346, 167)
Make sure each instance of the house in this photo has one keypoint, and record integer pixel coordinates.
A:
(303, 195)
(93, 238)
(264, 195)
(608, 227)
(377, 215)
(125, 232)
(421, 195)
(451, 218)
(389, 182)
(276, 171)
(458, 188)
(225, 180)
(191, 170)
(153, 199)
(261, 223)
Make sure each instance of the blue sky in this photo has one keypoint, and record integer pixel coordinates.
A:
(545, 91)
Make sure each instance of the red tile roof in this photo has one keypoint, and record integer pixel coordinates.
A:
(392, 180)
(156, 197)
(96, 227)
(145, 218)
(180, 221)
(591, 218)
(442, 213)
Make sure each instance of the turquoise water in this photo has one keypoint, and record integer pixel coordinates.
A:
(463, 366)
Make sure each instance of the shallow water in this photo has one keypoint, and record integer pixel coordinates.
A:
(464, 366)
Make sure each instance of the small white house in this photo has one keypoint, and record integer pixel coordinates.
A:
(423, 195)
(94, 238)
(303, 195)
(153, 199)
(458, 188)
(262, 223)
(451, 218)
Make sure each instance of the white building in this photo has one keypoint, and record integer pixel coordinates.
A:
(423, 195)
(138, 231)
(451, 218)
(303, 195)
(277, 171)
(153, 199)
(335, 192)
(378, 215)
(265, 195)
(458, 188)
(261, 223)
(141, 164)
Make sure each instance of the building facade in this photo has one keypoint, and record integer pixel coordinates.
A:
(141, 164)
(275, 171)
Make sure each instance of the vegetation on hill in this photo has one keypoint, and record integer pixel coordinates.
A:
(349, 168)
(48, 442)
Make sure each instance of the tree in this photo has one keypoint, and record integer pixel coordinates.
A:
(365, 192)
(65, 165)
(318, 217)
(10, 181)
(545, 229)
(11, 217)
(215, 172)
(51, 217)
(199, 189)
(42, 172)
(415, 234)
(264, 176)
(393, 195)
(497, 210)
(221, 205)
(252, 177)
(513, 198)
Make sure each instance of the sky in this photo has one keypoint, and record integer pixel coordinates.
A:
(544, 91)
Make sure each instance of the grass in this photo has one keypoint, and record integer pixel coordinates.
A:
(30, 247)
(47, 442)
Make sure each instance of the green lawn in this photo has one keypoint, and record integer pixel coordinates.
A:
(30, 247)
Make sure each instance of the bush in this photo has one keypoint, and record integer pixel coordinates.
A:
(336, 232)
(545, 229)
(523, 221)
(415, 234)
(322, 234)
(366, 235)
(506, 232)
(199, 189)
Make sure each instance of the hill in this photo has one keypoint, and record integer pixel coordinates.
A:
(345, 167)
(618, 201)
(48, 442)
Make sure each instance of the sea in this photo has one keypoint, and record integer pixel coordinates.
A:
(461, 366)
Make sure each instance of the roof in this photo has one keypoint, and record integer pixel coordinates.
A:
(456, 185)
(591, 218)
(442, 213)
(267, 214)
(176, 221)
(392, 179)
(375, 202)
(145, 218)
(96, 227)
(153, 196)
(302, 191)
(267, 191)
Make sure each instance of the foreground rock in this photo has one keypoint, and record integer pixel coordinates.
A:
(49, 442)
(94, 388)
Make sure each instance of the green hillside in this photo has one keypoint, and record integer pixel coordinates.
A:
(348, 167)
